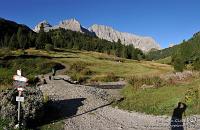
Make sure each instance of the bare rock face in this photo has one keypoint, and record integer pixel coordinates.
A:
(104, 32)
(108, 33)
(46, 25)
(71, 24)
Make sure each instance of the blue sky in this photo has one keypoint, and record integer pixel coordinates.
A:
(167, 21)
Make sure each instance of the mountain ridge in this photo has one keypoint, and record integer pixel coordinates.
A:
(145, 43)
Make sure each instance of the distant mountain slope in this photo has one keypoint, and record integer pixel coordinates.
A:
(16, 36)
(103, 32)
(108, 33)
(8, 27)
(187, 50)
(160, 54)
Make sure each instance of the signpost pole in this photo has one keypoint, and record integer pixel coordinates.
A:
(21, 83)
(19, 104)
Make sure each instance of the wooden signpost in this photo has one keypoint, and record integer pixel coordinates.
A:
(19, 82)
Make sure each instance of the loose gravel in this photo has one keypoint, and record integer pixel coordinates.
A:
(89, 109)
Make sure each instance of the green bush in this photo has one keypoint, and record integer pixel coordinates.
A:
(196, 64)
(5, 124)
(87, 71)
(79, 77)
(5, 52)
(79, 72)
(30, 67)
(137, 82)
(78, 66)
(192, 98)
(49, 47)
(109, 77)
(178, 64)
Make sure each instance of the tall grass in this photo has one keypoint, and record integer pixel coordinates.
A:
(79, 71)
(192, 99)
(137, 82)
(30, 67)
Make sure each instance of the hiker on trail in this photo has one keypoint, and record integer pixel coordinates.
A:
(176, 121)
(49, 77)
(53, 72)
(44, 81)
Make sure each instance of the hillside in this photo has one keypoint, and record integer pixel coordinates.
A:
(188, 49)
(9, 27)
(11, 31)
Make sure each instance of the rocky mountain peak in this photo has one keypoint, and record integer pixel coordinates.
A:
(71, 24)
(104, 32)
(46, 25)
(110, 34)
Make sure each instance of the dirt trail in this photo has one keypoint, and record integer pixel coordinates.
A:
(88, 108)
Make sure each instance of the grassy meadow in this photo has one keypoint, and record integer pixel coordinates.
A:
(162, 101)
(97, 66)
(94, 67)
(31, 66)
(83, 66)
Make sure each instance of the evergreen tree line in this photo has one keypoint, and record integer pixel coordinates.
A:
(184, 56)
(19, 40)
(61, 38)
(187, 55)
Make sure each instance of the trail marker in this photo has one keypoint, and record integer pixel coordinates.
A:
(20, 78)
(20, 89)
(19, 72)
(19, 99)
(19, 82)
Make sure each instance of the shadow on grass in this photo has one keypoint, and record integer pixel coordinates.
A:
(32, 57)
(69, 51)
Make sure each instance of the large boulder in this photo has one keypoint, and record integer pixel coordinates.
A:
(31, 108)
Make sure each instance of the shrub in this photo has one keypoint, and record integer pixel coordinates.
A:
(137, 82)
(30, 68)
(196, 64)
(4, 124)
(49, 47)
(110, 77)
(87, 71)
(78, 66)
(178, 65)
(79, 71)
(5, 52)
(78, 77)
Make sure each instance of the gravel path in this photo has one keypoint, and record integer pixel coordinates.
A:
(88, 108)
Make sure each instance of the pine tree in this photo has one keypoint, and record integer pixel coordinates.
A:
(13, 43)
(6, 40)
(22, 38)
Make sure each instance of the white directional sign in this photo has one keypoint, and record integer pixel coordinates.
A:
(20, 78)
(19, 72)
(19, 99)
(20, 89)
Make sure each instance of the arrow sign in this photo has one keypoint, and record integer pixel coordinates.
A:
(19, 72)
(20, 78)
(20, 89)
